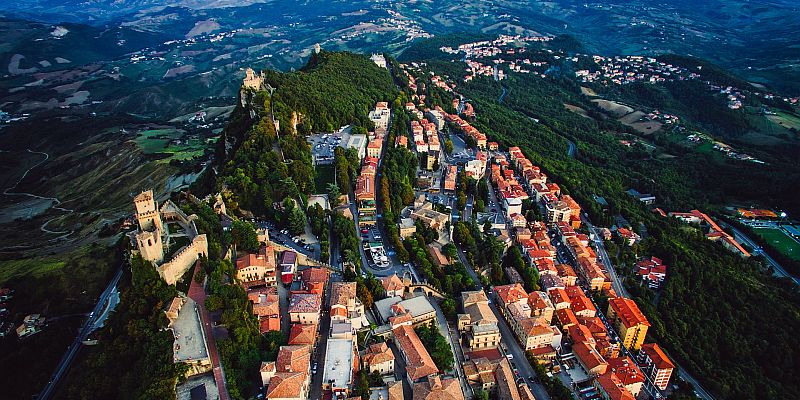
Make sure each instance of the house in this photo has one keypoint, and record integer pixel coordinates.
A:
(612, 388)
(257, 267)
(450, 178)
(419, 364)
(478, 323)
(430, 217)
(378, 358)
(288, 376)
(407, 227)
(266, 307)
(346, 306)
(480, 373)
(628, 374)
(628, 236)
(374, 148)
(508, 294)
(656, 364)
(436, 388)
(419, 308)
(625, 316)
(304, 308)
(303, 334)
(314, 280)
(558, 211)
(288, 266)
(652, 272)
(591, 361)
(393, 286)
(31, 324)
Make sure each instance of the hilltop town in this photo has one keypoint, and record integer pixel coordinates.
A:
(417, 312)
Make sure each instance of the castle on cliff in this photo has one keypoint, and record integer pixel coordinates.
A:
(165, 228)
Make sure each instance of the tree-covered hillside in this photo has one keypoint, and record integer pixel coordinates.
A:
(724, 318)
(332, 90)
(262, 167)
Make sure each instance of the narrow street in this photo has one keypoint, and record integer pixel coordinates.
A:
(620, 289)
(508, 338)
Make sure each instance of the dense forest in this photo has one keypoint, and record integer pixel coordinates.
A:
(133, 346)
(722, 317)
(263, 166)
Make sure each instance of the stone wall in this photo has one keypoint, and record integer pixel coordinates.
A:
(174, 269)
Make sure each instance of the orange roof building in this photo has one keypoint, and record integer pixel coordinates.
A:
(629, 321)
(656, 364)
(419, 363)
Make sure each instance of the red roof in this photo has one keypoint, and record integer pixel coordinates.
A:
(627, 311)
(659, 358)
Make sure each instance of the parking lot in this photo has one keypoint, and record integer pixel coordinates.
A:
(323, 145)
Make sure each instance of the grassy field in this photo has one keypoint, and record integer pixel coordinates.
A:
(32, 266)
(155, 141)
(781, 241)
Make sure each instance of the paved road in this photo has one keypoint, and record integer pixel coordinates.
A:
(571, 148)
(778, 270)
(87, 328)
(620, 289)
(455, 347)
(616, 282)
(508, 338)
(320, 347)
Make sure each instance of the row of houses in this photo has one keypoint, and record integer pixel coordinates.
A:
(530, 314)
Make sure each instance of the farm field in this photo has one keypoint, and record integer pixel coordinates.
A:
(781, 241)
(161, 141)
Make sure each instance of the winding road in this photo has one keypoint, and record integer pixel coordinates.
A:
(55, 201)
(88, 327)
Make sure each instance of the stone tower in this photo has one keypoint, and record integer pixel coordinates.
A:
(148, 239)
(147, 212)
(150, 246)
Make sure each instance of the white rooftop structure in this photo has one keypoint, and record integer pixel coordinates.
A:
(338, 373)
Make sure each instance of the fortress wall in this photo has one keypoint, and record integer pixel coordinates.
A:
(172, 270)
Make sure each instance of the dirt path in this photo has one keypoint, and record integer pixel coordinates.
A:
(56, 202)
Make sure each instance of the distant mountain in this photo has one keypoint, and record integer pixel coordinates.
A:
(756, 39)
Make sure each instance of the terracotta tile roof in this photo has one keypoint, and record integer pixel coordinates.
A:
(566, 317)
(659, 358)
(419, 363)
(437, 388)
(293, 358)
(314, 275)
(285, 385)
(626, 370)
(613, 387)
(304, 303)
(301, 334)
(510, 293)
(558, 295)
(264, 258)
(377, 353)
(627, 311)
(343, 293)
(391, 283)
(589, 357)
(395, 390)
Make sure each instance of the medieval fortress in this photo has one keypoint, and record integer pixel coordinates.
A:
(164, 228)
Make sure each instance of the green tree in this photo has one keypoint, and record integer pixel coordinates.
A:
(244, 235)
